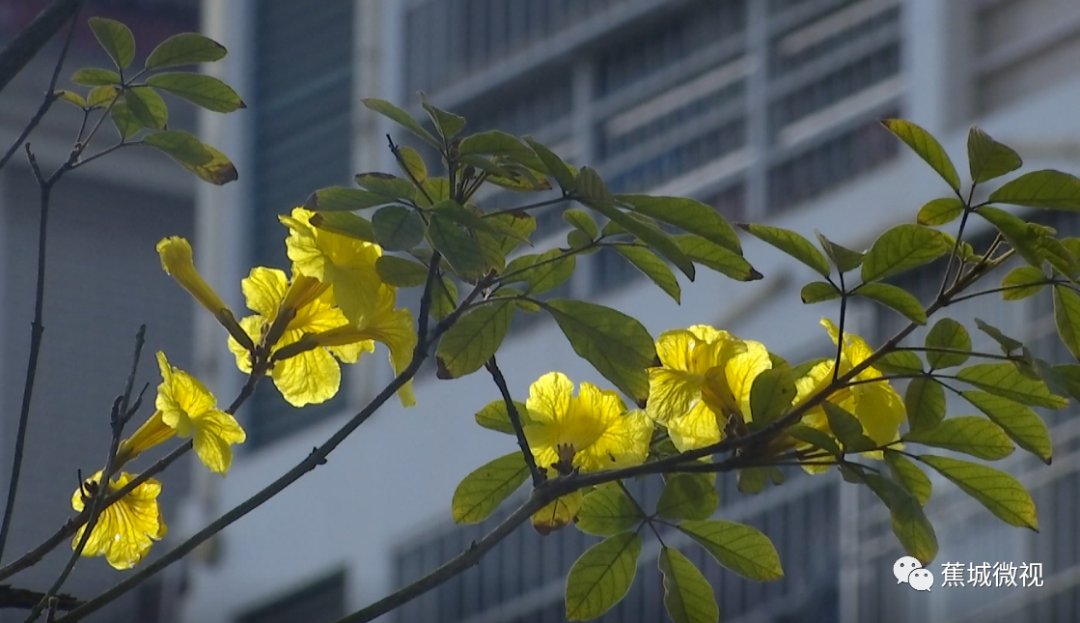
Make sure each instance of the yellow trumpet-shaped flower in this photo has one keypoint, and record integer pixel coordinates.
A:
(178, 262)
(703, 383)
(125, 530)
(186, 406)
(587, 432)
(348, 266)
(878, 407)
(305, 372)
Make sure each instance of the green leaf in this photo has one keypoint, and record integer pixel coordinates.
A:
(688, 596)
(447, 124)
(1003, 379)
(688, 214)
(125, 122)
(510, 230)
(940, 211)
(397, 228)
(908, 474)
(70, 97)
(843, 258)
(951, 335)
(1048, 189)
(401, 118)
(201, 90)
(389, 186)
(988, 158)
(847, 428)
(93, 76)
(687, 496)
(652, 267)
(1021, 235)
(497, 142)
(771, 395)
(580, 220)
(739, 547)
(818, 291)
(716, 257)
(909, 523)
(651, 235)
(601, 577)
(100, 97)
(481, 492)
(342, 199)
(1008, 345)
(495, 417)
(457, 246)
(1067, 318)
(899, 362)
(148, 107)
(1020, 423)
(219, 170)
(617, 345)
(186, 48)
(444, 298)
(791, 243)
(471, 341)
(817, 438)
(900, 249)
(999, 492)
(346, 224)
(555, 166)
(924, 401)
(116, 39)
(926, 147)
(400, 272)
(607, 511)
(897, 299)
(969, 434)
(181, 146)
(541, 271)
(414, 164)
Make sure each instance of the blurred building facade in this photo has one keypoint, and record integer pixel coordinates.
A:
(766, 110)
(103, 279)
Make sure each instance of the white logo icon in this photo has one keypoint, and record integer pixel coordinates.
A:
(909, 570)
(921, 579)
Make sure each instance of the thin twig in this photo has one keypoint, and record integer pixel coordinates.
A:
(120, 415)
(50, 95)
(840, 329)
(36, 331)
(538, 477)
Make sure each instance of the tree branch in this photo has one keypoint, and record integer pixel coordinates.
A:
(28, 42)
(538, 477)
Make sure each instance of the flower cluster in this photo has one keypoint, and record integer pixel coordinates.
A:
(332, 309)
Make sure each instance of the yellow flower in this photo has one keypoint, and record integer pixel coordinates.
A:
(348, 266)
(703, 383)
(125, 530)
(153, 431)
(178, 262)
(878, 407)
(186, 406)
(589, 432)
(297, 311)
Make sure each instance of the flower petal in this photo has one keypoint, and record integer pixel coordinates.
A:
(263, 289)
(549, 398)
(311, 377)
(672, 393)
(215, 432)
(125, 530)
(696, 429)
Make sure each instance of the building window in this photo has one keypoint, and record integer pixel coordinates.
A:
(322, 601)
(301, 141)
